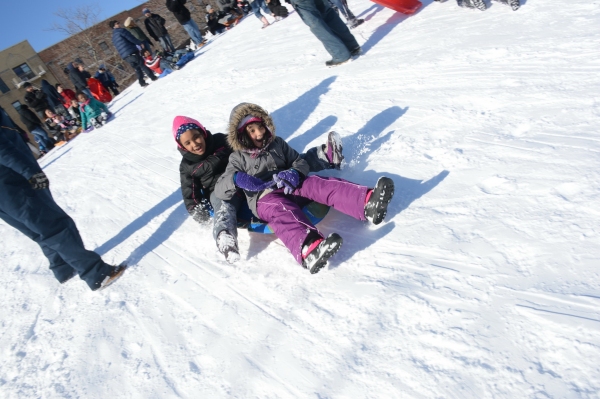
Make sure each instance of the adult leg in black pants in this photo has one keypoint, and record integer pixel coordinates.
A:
(136, 62)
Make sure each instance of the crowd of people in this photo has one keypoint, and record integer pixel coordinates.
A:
(54, 115)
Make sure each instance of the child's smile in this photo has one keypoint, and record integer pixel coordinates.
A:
(193, 141)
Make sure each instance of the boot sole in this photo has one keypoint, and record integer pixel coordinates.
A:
(332, 239)
(383, 192)
(337, 156)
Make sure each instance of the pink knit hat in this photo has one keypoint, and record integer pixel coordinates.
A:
(184, 123)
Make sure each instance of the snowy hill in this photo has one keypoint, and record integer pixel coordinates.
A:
(483, 283)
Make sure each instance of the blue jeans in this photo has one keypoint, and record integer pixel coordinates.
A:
(256, 5)
(192, 29)
(35, 214)
(328, 27)
(41, 137)
(88, 93)
(166, 43)
(342, 5)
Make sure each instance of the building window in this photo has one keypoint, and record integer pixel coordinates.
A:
(3, 87)
(24, 72)
(17, 105)
(104, 47)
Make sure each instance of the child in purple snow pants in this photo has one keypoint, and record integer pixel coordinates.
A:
(274, 179)
(284, 213)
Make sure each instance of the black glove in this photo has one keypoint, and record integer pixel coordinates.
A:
(202, 212)
(39, 181)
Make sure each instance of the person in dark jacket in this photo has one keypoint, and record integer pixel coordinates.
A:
(107, 79)
(205, 157)
(54, 99)
(155, 25)
(34, 125)
(183, 16)
(27, 205)
(127, 47)
(21, 132)
(78, 79)
(35, 99)
(85, 74)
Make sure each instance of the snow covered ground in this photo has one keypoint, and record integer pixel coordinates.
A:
(483, 283)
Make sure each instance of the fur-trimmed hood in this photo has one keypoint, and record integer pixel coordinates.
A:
(238, 113)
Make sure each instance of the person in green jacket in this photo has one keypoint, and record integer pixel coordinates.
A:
(138, 33)
(93, 112)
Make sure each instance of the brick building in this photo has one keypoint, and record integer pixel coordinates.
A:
(100, 49)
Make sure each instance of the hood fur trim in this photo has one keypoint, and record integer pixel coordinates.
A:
(238, 113)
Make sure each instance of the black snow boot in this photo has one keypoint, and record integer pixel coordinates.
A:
(115, 274)
(317, 257)
(376, 207)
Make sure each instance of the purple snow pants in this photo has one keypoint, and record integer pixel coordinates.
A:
(284, 212)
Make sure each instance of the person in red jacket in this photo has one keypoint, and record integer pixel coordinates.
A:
(68, 96)
(158, 64)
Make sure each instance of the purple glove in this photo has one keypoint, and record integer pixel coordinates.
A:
(251, 183)
(288, 179)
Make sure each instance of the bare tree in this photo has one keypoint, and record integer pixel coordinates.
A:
(77, 22)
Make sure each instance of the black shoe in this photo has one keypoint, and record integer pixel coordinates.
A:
(376, 207)
(355, 22)
(332, 63)
(144, 85)
(356, 52)
(317, 258)
(115, 274)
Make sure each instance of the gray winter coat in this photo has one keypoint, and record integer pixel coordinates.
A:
(275, 157)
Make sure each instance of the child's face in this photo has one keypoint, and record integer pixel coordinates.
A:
(256, 132)
(59, 89)
(146, 53)
(74, 103)
(82, 98)
(193, 141)
(50, 114)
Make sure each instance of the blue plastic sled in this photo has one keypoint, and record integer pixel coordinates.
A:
(314, 211)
